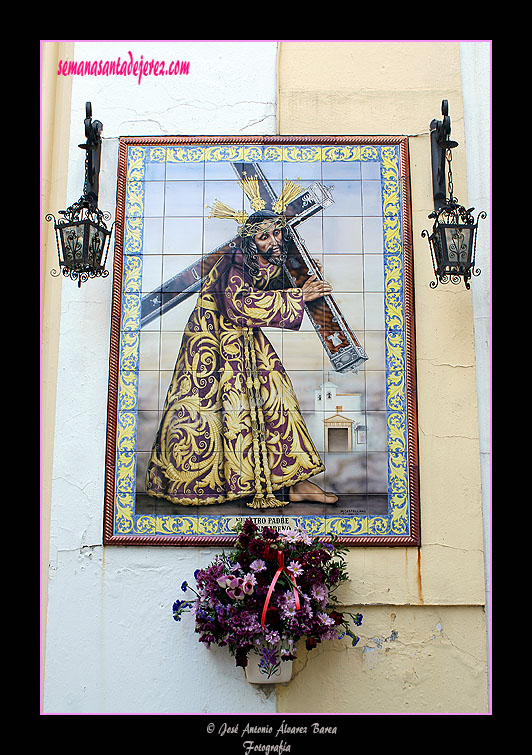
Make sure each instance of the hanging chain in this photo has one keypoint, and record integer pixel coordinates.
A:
(449, 156)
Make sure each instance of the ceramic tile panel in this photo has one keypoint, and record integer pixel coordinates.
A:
(181, 354)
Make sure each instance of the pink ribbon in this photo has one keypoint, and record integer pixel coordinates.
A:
(280, 559)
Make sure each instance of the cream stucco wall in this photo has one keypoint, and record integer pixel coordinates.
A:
(55, 130)
(396, 88)
(111, 644)
(423, 640)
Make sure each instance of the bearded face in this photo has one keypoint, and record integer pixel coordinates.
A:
(270, 245)
(269, 240)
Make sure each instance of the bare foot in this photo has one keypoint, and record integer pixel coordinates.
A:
(309, 491)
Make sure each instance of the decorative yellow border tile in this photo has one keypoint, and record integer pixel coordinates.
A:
(397, 520)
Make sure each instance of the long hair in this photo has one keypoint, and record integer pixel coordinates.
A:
(249, 247)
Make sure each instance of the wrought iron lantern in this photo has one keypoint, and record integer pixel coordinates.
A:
(82, 235)
(454, 232)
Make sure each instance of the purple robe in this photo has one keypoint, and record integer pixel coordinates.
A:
(206, 450)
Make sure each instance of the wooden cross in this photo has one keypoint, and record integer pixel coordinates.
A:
(339, 341)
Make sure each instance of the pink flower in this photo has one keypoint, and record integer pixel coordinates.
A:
(248, 584)
(320, 593)
(224, 581)
(296, 536)
(257, 565)
(235, 588)
(305, 538)
(294, 568)
(291, 536)
(325, 619)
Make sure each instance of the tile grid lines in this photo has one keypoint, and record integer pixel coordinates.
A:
(363, 270)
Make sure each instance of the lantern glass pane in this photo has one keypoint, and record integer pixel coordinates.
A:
(438, 251)
(95, 246)
(72, 245)
(458, 243)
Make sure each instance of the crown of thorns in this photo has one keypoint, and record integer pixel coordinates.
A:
(251, 188)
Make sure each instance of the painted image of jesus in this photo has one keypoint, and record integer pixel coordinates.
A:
(231, 426)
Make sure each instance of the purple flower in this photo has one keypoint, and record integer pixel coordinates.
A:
(313, 576)
(201, 614)
(287, 604)
(268, 656)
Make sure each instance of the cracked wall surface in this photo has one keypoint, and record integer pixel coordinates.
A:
(408, 660)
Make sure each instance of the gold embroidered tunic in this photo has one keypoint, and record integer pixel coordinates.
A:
(231, 425)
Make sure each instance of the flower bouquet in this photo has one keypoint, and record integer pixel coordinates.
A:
(271, 590)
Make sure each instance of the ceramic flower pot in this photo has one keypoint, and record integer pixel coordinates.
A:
(255, 675)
